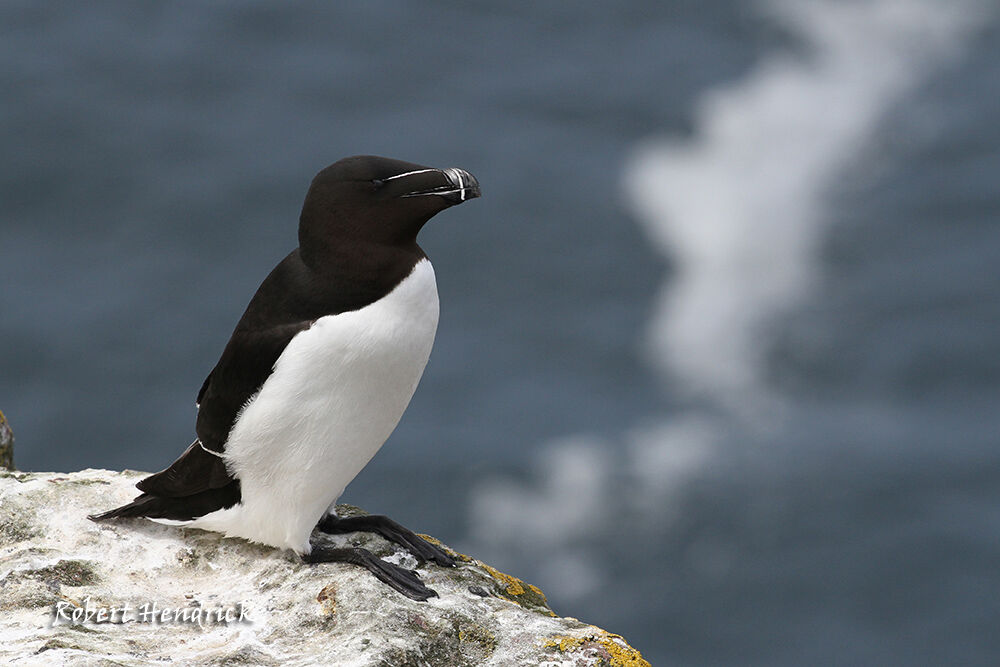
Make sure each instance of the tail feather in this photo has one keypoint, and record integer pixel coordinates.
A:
(185, 508)
(141, 506)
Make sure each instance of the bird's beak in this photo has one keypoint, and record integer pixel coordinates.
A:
(460, 185)
(465, 185)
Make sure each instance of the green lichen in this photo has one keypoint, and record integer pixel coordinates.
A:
(17, 527)
(67, 573)
(92, 660)
(6, 444)
(57, 644)
(453, 640)
(84, 629)
(89, 482)
(513, 589)
(31, 599)
(436, 651)
(188, 558)
(451, 552)
(481, 637)
(17, 476)
(505, 586)
(247, 655)
(345, 511)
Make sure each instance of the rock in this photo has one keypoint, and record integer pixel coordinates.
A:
(194, 598)
(6, 444)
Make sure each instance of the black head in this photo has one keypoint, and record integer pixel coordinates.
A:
(375, 201)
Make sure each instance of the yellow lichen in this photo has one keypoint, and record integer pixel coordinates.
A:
(451, 552)
(617, 649)
(478, 635)
(514, 585)
(564, 643)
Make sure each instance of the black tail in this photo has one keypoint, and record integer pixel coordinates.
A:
(141, 506)
(178, 509)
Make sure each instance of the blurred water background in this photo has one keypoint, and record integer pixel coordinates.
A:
(718, 364)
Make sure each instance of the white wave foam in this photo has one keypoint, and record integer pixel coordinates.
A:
(738, 207)
(554, 512)
(738, 210)
(663, 455)
(570, 493)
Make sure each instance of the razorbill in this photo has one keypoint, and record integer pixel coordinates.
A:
(318, 372)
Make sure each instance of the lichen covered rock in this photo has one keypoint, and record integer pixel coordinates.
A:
(6, 445)
(74, 592)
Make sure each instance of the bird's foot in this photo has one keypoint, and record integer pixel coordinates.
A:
(390, 530)
(403, 580)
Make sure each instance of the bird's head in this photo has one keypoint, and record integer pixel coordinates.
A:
(370, 200)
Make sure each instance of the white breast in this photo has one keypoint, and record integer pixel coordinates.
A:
(336, 393)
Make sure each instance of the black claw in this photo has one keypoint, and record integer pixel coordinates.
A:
(390, 530)
(406, 582)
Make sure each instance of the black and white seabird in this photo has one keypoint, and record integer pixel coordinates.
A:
(318, 373)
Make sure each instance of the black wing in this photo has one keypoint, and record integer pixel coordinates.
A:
(289, 300)
(198, 482)
(246, 363)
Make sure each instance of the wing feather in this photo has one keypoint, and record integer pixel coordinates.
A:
(289, 300)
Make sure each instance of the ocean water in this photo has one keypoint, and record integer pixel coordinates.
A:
(718, 364)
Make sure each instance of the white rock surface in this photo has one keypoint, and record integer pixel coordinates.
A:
(52, 560)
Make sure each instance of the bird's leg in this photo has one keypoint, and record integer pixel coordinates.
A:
(404, 581)
(390, 530)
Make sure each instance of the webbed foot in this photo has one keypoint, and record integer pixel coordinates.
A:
(403, 580)
(390, 530)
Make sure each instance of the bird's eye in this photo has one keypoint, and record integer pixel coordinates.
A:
(377, 183)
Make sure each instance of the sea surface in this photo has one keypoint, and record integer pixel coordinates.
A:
(719, 357)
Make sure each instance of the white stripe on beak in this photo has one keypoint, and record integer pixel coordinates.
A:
(409, 173)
